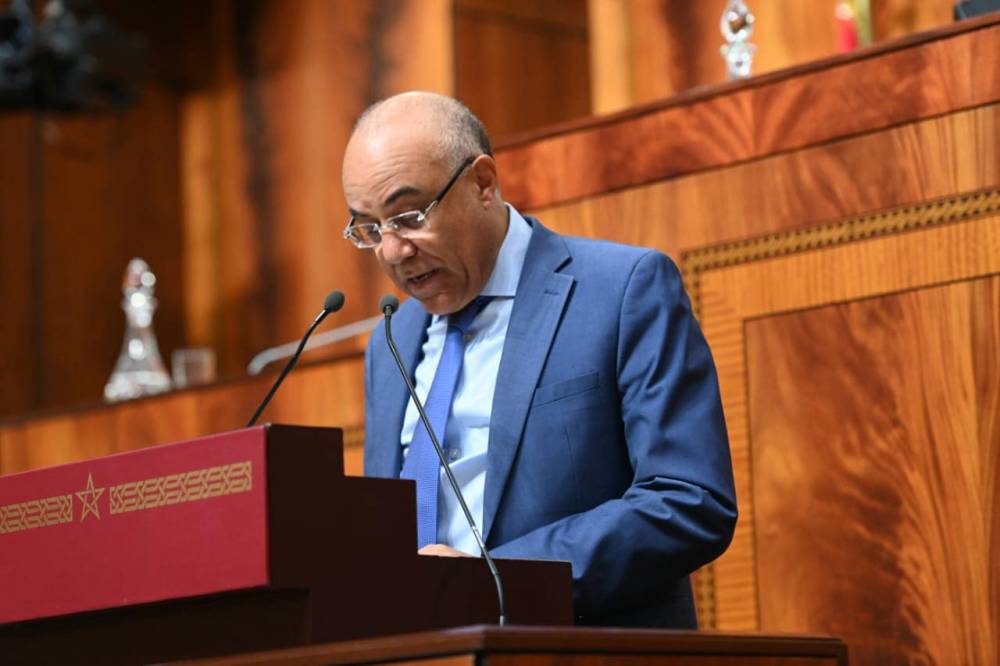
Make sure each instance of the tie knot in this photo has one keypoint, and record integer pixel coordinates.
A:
(464, 317)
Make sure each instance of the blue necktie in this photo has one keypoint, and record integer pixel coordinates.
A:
(422, 463)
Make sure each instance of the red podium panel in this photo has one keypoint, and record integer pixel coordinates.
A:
(162, 523)
(247, 540)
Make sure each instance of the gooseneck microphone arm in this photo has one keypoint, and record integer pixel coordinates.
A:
(334, 301)
(388, 305)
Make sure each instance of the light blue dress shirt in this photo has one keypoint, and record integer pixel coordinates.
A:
(468, 432)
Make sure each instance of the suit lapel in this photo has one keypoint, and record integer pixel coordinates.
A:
(409, 328)
(538, 306)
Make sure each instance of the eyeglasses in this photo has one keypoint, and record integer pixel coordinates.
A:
(369, 234)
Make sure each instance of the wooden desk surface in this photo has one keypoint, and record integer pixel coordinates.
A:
(574, 645)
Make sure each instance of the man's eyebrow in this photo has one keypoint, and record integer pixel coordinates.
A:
(401, 192)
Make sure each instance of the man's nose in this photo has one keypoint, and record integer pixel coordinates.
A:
(395, 249)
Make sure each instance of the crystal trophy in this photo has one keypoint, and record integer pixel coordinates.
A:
(737, 26)
(139, 370)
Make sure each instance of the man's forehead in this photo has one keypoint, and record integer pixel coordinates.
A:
(381, 160)
(373, 184)
(392, 155)
(378, 144)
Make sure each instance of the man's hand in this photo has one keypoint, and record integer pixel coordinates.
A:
(442, 551)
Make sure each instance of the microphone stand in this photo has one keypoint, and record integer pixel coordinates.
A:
(387, 309)
(334, 301)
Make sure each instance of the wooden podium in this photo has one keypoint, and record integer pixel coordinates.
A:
(248, 540)
(561, 646)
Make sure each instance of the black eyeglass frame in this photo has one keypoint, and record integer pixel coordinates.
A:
(418, 217)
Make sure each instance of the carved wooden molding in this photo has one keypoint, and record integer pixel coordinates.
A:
(906, 218)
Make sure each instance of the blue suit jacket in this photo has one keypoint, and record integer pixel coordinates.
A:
(607, 442)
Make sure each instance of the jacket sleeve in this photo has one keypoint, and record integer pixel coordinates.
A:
(680, 510)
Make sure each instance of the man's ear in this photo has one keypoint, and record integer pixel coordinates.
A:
(484, 171)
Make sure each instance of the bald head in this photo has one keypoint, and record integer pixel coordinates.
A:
(456, 131)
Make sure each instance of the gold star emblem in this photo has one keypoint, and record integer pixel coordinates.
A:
(89, 498)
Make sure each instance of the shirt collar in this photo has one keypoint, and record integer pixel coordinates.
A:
(510, 259)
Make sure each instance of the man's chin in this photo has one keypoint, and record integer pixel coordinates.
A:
(436, 298)
(440, 303)
(439, 306)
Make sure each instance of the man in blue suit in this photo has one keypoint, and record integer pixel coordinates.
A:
(583, 419)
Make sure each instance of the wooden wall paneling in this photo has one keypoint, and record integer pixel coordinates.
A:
(849, 268)
(55, 440)
(311, 111)
(320, 394)
(230, 405)
(245, 270)
(18, 239)
(750, 120)
(794, 190)
(869, 414)
(110, 193)
(209, 127)
(104, 189)
(789, 190)
(611, 87)
(557, 12)
(226, 199)
(674, 47)
(418, 47)
(176, 49)
(149, 422)
(201, 236)
(234, 278)
(791, 33)
(328, 394)
(645, 50)
(306, 113)
(79, 435)
(292, 77)
(800, 189)
(521, 65)
(895, 18)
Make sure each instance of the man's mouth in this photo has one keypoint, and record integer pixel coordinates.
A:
(423, 277)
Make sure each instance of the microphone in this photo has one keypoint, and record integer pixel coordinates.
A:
(388, 305)
(334, 301)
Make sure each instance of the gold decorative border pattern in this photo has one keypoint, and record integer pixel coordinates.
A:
(189, 486)
(36, 513)
(897, 220)
(953, 209)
